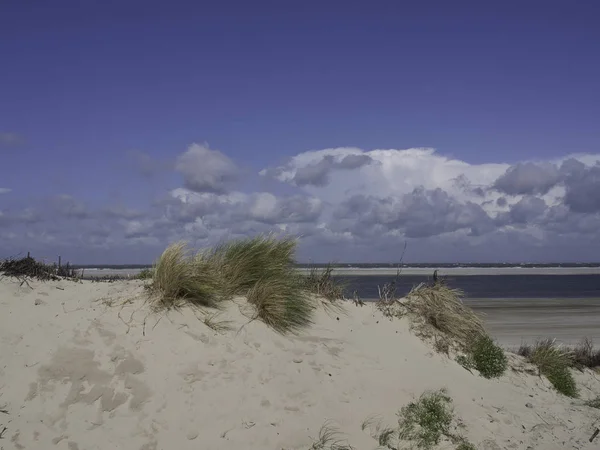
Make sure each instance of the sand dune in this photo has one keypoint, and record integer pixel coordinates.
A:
(88, 366)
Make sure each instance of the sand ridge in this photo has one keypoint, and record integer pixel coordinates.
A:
(89, 366)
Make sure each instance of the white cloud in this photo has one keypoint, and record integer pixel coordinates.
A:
(206, 170)
(5, 190)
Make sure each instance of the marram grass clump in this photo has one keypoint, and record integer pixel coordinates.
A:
(181, 277)
(262, 269)
(488, 358)
(439, 307)
(554, 362)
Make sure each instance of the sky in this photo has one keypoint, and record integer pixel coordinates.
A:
(468, 131)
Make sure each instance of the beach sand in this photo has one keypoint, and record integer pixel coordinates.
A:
(86, 366)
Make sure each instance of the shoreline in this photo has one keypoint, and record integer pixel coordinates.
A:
(418, 271)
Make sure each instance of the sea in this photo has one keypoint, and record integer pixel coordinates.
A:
(473, 286)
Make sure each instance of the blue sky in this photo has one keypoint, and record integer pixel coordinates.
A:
(100, 101)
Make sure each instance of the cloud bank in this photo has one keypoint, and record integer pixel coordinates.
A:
(345, 204)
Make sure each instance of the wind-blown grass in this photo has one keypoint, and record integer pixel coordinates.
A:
(439, 307)
(321, 282)
(263, 270)
(244, 262)
(281, 304)
(180, 277)
(554, 362)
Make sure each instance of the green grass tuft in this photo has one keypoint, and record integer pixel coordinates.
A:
(244, 262)
(145, 274)
(321, 282)
(488, 358)
(282, 304)
(554, 362)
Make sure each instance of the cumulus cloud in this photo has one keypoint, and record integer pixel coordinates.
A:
(206, 170)
(316, 171)
(582, 187)
(528, 179)
(347, 204)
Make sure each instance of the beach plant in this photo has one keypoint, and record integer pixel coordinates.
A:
(465, 445)
(466, 361)
(554, 361)
(263, 270)
(439, 307)
(322, 283)
(330, 438)
(585, 355)
(593, 403)
(144, 274)
(488, 358)
(181, 277)
(426, 420)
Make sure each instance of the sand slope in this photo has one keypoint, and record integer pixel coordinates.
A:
(89, 367)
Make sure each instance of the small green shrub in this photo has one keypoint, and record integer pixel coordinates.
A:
(594, 403)
(466, 361)
(426, 420)
(465, 445)
(145, 274)
(489, 359)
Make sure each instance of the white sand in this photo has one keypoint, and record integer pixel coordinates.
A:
(78, 374)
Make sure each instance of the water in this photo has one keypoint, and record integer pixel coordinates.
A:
(486, 286)
(516, 308)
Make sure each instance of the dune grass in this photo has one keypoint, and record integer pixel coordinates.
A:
(554, 361)
(321, 282)
(244, 262)
(439, 307)
(181, 277)
(262, 269)
(330, 438)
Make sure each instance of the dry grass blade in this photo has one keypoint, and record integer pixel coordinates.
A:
(330, 439)
(439, 307)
